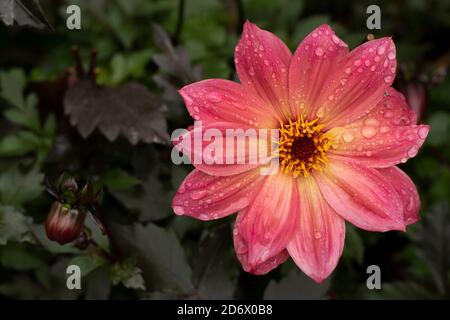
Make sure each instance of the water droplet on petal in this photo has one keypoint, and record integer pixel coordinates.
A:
(357, 63)
(388, 114)
(423, 132)
(330, 97)
(387, 79)
(371, 122)
(266, 62)
(384, 129)
(348, 70)
(391, 55)
(343, 81)
(368, 132)
(251, 71)
(318, 235)
(198, 194)
(348, 136)
(413, 151)
(381, 50)
(178, 210)
(335, 39)
(320, 112)
(319, 51)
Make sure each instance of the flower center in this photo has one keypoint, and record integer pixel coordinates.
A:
(302, 147)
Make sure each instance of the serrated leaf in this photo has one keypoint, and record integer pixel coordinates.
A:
(159, 254)
(14, 226)
(17, 188)
(174, 63)
(296, 286)
(24, 13)
(129, 109)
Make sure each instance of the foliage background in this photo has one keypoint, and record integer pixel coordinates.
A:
(164, 44)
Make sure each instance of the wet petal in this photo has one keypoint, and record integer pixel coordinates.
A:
(358, 84)
(317, 56)
(219, 100)
(267, 225)
(318, 242)
(207, 197)
(407, 192)
(386, 136)
(262, 62)
(361, 195)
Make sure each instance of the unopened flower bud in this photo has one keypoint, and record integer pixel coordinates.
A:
(64, 224)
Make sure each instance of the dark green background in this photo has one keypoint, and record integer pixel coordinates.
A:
(165, 256)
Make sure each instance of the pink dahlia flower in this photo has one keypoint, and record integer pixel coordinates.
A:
(342, 131)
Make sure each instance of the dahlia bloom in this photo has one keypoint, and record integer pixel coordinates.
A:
(342, 131)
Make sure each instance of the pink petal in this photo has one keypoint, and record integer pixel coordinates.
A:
(361, 195)
(208, 197)
(358, 84)
(317, 56)
(264, 229)
(407, 192)
(225, 156)
(384, 137)
(319, 240)
(218, 100)
(262, 62)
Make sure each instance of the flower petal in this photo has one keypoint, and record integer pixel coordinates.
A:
(267, 225)
(407, 192)
(262, 62)
(218, 100)
(384, 137)
(242, 248)
(361, 195)
(208, 197)
(358, 84)
(316, 57)
(220, 148)
(318, 243)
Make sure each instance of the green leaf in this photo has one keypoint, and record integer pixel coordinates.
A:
(159, 254)
(14, 226)
(19, 144)
(88, 263)
(17, 188)
(118, 179)
(296, 286)
(12, 84)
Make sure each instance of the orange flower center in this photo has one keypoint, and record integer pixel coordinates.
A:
(302, 147)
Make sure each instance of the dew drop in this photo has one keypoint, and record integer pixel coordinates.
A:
(357, 63)
(388, 114)
(178, 210)
(348, 136)
(321, 112)
(413, 151)
(330, 97)
(423, 132)
(343, 81)
(372, 68)
(371, 122)
(198, 194)
(384, 129)
(251, 71)
(381, 50)
(319, 51)
(388, 79)
(391, 55)
(348, 70)
(266, 62)
(318, 235)
(368, 132)
(335, 39)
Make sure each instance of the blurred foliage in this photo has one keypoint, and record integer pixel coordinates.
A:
(159, 46)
